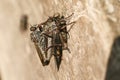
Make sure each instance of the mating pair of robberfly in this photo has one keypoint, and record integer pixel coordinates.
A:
(51, 38)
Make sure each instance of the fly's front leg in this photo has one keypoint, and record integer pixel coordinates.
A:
(72, 23)
(68, 17)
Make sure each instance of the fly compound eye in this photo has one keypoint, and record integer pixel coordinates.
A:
(50, 19)
(62, 17)
(40, 28)
(33, 28)
(57, 15)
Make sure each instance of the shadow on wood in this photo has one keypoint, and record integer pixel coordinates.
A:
(113, 67)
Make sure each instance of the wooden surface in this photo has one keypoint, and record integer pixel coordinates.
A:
(90, 40)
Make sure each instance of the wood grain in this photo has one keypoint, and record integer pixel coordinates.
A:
(90, 40)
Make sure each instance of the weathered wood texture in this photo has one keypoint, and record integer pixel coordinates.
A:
(90, 40)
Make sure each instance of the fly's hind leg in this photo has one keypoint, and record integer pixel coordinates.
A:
(64, 40)
(49, 53)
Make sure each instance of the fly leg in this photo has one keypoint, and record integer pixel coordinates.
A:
(64, 42)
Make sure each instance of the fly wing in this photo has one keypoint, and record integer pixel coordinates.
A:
(41, 45)
(39, 53)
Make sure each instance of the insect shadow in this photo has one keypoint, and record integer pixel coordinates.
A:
(24, 22)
